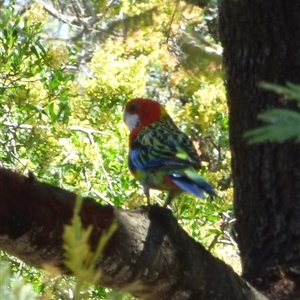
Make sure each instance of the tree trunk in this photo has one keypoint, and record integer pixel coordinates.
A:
(261, 40)
(149, 254)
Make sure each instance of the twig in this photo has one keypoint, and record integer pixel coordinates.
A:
(72, 128)
(72, 21)
(102, 197)
(171, 21)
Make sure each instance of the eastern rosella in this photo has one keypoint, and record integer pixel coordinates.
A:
(161, 156)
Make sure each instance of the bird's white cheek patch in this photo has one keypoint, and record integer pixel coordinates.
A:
(132, 121)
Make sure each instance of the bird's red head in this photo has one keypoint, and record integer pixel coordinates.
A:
(140, 112)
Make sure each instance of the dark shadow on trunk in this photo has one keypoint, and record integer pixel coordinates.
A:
(261, 41)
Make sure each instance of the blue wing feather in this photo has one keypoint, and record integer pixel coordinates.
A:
(137, 161)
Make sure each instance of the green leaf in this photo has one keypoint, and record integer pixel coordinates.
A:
(41, 110)
(34, 51)
(52, 113)
(17, 20)
(64, 112)
(290, 91)
(38, 43)
(283, 125)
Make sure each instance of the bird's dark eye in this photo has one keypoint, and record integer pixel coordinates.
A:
(133, 107)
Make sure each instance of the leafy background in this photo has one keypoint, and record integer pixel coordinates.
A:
(66, 71)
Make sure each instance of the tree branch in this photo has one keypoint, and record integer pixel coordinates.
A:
(71, 20)
(149, 252)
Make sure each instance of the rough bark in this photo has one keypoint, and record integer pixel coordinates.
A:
(261, 40)
(149, 252)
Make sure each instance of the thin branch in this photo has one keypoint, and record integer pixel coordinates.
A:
(70, 20)
(90, 9)
(171, 21)
(102, 197)
(87, 131)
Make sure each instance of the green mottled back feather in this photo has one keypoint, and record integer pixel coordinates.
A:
(162, 145)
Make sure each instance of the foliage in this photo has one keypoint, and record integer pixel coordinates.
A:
(79, 257)
(283, 124)
(13, 287)
(34, 90)
(66, 71)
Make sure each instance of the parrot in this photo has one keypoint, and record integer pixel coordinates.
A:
(161, 156)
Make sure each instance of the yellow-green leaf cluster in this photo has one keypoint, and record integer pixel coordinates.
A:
(116, 74)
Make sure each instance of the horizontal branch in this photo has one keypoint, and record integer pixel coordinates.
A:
(149, 252)
(72, 128)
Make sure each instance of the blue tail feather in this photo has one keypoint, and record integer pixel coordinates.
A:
(188, 186)
(193, 183)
